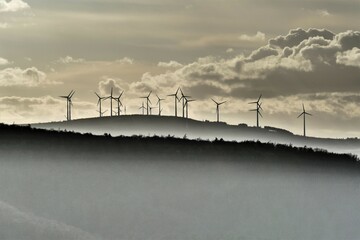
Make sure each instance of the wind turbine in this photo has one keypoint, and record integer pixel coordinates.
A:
(175, 98)
(111, 99)
(143, 108)
(258, 108)
(99, 103)
(147, 102)
(183, 98)
(159, 103)
(187, 106)
(68, 104)
(218, 109)
(304, 113)
(119, 103)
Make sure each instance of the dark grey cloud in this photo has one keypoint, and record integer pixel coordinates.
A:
(348, 39)
(301, 62)
(263, 52)
(296, 36)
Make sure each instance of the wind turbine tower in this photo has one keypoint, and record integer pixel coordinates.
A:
(142, 108)
(111, 99)
(159, 103)
(218, 109)
(183, 98)
(147, 102)
(68, 104)
(187, 106)
(257, 110)
(304, 113)
(119, 103)
(99, 103)
(175, 99)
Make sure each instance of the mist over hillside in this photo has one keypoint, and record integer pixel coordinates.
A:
(175, 126)
(61, 185)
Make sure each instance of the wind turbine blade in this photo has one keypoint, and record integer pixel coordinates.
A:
(99, 101)
(177, 91)
(63, 96)
(252, 102)
(260, 114)
(72, 94)
(260, 106)
(97, 95)
(149, 94)
(222, 102)
(303, 107)
(300, 114)
(253, 110)
(259, 98)
(308, 113)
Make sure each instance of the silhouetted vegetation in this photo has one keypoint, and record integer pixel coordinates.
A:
(22, 140)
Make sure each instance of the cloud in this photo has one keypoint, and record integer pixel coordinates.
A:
(29, 77)
(296, 36)
(42, 109)
(349, 58)
(300, 62)
(125, 60)
(69, 59)
(4, 61)
(323, 12)
(4, 25)
(171, 64)
(258, 37)
(107, 83)
(13, 5)
(229, 50)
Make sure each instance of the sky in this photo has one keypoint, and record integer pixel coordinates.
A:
(292, 52)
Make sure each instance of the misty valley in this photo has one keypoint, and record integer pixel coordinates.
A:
(61, 185)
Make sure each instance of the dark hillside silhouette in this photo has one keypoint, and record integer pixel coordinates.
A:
(22, 140)
(167, 125)
(66, 185)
